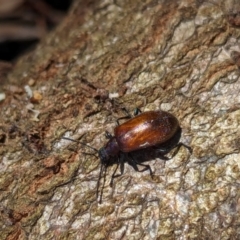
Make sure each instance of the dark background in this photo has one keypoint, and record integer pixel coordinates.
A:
(11, 49)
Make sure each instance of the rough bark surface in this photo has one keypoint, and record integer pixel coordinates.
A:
(179, 56)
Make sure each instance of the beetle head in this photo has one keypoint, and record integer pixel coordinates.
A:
(110, 150)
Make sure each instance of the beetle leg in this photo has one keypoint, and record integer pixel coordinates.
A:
(103, 168)
(137, 111)
(114, 175)
(126, 117)
(135, 164)
(178, 147)
(126, 111)
(165, 150)
(108, 135)
(164, 157)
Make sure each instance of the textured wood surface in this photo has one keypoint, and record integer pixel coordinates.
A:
(178, 56)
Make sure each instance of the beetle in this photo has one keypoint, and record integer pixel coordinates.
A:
(145, 130)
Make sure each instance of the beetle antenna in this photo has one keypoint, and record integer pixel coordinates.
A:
(84, 144)
(98, 183)
(103, 168)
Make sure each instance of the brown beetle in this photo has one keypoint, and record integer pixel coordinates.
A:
(148, 129)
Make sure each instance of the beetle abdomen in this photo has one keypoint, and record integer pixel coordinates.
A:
(145, 130)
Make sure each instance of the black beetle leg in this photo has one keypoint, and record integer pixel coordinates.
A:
(135, 164)
(103, 168)
(137, 111)
(186, 146)
(108, 135)
(114, 175)
(165, 150)
(126, 117)
(178, 147)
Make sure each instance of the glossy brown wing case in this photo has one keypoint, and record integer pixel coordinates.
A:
(145, 130)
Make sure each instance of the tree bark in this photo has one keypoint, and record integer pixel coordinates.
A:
(178, 56)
